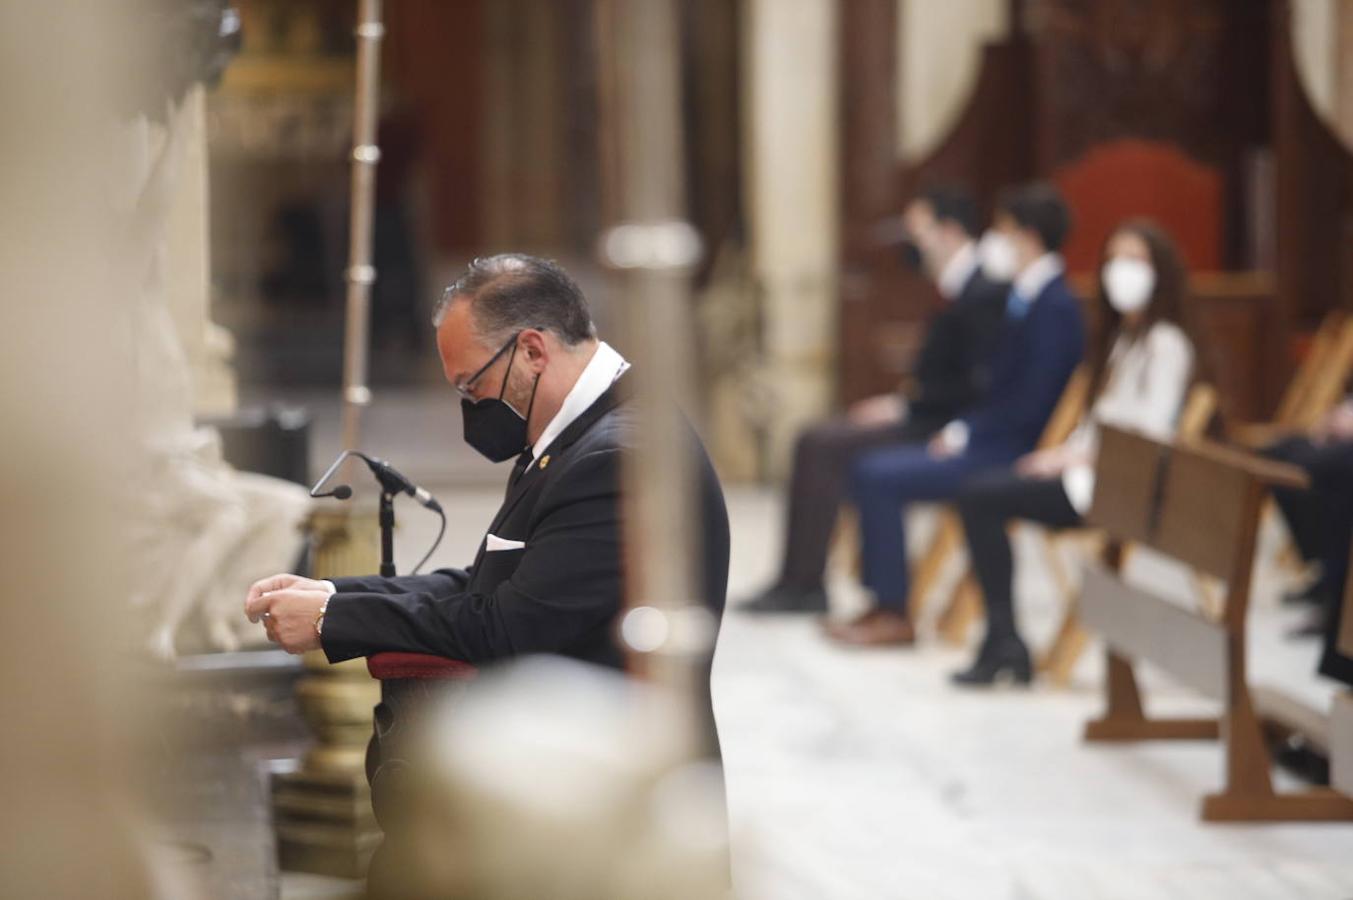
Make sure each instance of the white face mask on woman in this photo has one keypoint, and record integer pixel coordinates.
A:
(996, 252)
(1129, 284)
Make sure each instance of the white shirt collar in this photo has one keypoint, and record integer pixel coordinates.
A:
(602, 370)
(956, 272)
(1030, 283)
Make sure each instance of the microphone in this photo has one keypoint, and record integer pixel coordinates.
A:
(394, 482)
(341, 492)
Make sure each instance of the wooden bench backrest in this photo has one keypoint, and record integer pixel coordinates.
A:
(1203, 514)
(1197, 503)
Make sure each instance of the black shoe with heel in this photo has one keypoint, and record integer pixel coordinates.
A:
(1008, 659)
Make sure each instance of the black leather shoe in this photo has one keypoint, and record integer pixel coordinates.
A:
(1007, 659)
(782, 599)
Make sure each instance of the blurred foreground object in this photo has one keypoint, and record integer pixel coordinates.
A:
(70, 826)
(550, 778)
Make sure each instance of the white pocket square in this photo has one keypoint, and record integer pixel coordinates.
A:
(492, 542)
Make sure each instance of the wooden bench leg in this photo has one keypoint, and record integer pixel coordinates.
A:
(1124, 719)
(1314, 805)
(948, 538)
(965, 608)
(1249, 795)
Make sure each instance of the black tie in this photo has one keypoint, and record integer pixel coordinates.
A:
(524, 461)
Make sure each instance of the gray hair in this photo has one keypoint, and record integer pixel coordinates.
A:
(514, 291)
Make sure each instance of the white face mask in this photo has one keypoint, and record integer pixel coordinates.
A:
(1129, 284)
(997, 255)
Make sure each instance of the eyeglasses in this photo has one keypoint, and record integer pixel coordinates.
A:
(465, 387)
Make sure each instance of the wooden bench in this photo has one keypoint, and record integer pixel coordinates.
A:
(1200, 505)
(1059, 660)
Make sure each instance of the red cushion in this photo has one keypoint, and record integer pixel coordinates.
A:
(392, 666)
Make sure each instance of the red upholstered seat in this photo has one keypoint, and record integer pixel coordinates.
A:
(395, 666)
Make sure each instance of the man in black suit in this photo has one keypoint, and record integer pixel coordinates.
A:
(517, 342)
(950, 376)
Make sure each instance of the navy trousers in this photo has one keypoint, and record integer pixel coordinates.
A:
(883, 483)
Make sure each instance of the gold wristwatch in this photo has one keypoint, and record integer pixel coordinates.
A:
(319, 619)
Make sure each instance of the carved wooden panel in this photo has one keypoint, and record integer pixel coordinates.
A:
(1187, 73)
(1234, 319)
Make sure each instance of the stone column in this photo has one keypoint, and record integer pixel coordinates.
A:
(790, 104)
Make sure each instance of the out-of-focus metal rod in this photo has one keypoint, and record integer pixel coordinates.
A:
(654, 252)
(360, 272)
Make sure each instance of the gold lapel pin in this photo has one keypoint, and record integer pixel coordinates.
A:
(544, 461)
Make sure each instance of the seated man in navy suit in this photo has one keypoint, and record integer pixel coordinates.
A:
(1040, 345)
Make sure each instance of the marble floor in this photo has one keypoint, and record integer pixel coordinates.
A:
(861, 775)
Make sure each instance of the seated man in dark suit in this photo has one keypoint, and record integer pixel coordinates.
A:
(1321, 521)
(517, 342)
(1039, 347)
(950, 375)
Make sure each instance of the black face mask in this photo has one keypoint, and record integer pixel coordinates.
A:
(492, 426)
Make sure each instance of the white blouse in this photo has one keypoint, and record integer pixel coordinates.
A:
(1143, 392)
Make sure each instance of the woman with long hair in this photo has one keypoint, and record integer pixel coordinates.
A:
(1142, 362)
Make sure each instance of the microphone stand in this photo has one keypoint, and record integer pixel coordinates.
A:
(387, 520)
(386, 517)
(392, 484)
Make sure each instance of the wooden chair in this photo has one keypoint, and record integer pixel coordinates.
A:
(1199, 505)
(1315, 388)
(965, 604)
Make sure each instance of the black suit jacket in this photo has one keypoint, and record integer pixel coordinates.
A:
(953, 371)
(560, 593)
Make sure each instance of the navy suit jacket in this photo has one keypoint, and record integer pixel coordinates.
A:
(1034, 359)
